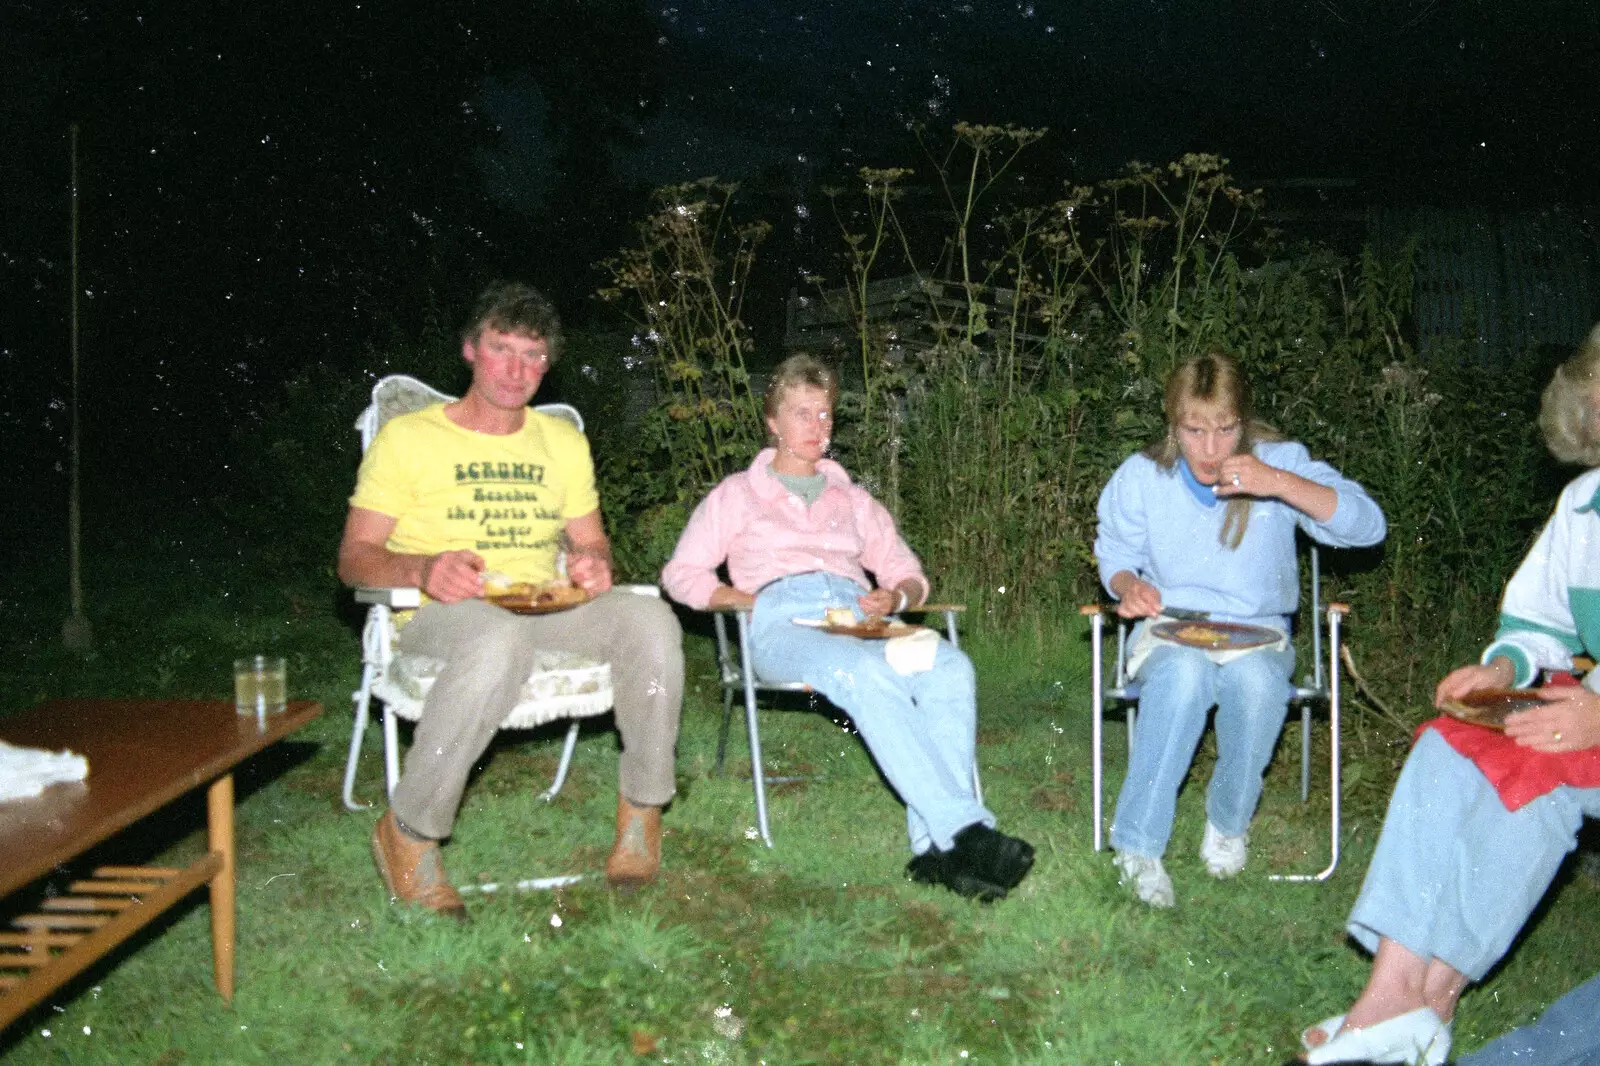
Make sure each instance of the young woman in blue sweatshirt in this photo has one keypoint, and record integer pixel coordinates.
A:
(1204, 519)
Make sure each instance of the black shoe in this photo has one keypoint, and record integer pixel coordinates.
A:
(990, 855)
(924, 868)
(935, 867)
(983, 864)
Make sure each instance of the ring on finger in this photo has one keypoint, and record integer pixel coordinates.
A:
(1556, 736)
(1236, 481)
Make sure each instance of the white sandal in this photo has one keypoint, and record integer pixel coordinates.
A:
(1328, 1027)
(1415, 1038)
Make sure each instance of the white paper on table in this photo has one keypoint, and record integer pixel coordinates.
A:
(912, 653)
(25, 772)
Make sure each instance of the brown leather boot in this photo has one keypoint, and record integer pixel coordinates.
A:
(636, 856)
(413, 870)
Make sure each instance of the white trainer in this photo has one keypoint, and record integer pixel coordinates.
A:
(1148, 877)
(1224, 855)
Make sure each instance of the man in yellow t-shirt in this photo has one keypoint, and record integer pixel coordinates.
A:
(486, 485)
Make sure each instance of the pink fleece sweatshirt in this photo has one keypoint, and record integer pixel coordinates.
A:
(765, 532)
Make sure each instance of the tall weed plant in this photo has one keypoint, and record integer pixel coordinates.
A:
(683, 285)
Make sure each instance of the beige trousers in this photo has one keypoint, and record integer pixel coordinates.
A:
(488, 654)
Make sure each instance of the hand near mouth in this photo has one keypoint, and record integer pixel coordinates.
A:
(1245, 475)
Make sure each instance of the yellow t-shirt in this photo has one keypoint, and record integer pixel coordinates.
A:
(505, 497)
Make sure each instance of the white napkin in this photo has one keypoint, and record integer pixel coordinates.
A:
(912, 653)
(24, 772)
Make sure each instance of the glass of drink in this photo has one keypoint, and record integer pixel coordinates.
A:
(260, 685)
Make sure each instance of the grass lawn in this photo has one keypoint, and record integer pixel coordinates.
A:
(815, 952)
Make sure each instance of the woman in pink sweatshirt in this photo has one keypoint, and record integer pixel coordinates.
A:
(799, 538)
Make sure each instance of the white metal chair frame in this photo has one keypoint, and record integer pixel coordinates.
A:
(1321, 686)
(398, 394)
(735, 678)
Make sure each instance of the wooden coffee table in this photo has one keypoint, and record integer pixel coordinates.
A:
(143, 755)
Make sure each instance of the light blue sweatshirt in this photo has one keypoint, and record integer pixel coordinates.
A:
(1152, 524)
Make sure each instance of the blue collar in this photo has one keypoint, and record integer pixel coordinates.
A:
(1203, 493)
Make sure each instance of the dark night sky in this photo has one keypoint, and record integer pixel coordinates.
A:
(272, 185)
(1374, 90)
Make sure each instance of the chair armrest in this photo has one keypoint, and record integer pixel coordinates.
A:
(725, 608)
(400, 599)
(1089, 610)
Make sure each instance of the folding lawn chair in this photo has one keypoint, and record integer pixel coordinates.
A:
(1321, 686)
(562, 685)
(737, 678)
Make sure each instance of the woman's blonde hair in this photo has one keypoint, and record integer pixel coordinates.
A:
(1214, 379)
(1567, 410)
(800, 370)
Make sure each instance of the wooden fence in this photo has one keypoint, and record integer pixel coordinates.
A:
(1505, 283)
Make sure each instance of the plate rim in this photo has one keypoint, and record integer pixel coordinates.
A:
(1475, 700)
(530, 608)
(1479, 695)
(1262, 635)
(890, 631)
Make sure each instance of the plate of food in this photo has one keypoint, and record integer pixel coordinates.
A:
(1489, 707)
(523, 597)
(1215, 636)
(843, 621)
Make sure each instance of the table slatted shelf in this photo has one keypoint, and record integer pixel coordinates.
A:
(33, 965)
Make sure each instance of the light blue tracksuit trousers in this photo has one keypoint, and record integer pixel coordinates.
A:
(1455, 875)
(1177, 686)
(921, 728)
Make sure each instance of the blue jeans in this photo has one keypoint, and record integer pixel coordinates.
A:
(921, 728)
(1455, 875)
(1566, 1034)
(1177, 687)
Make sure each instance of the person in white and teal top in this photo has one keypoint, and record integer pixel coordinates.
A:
(1479, 823)
(1551, 609)
(1204, 520)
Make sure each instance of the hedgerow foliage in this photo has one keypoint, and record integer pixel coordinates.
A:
(1046, 331)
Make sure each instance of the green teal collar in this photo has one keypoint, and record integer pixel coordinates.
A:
(1593, 504)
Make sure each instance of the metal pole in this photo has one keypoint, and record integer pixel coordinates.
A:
(75, 631)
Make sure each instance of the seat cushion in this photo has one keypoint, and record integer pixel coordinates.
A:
(562, 685)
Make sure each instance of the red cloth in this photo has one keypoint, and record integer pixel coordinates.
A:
(1517, 773)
